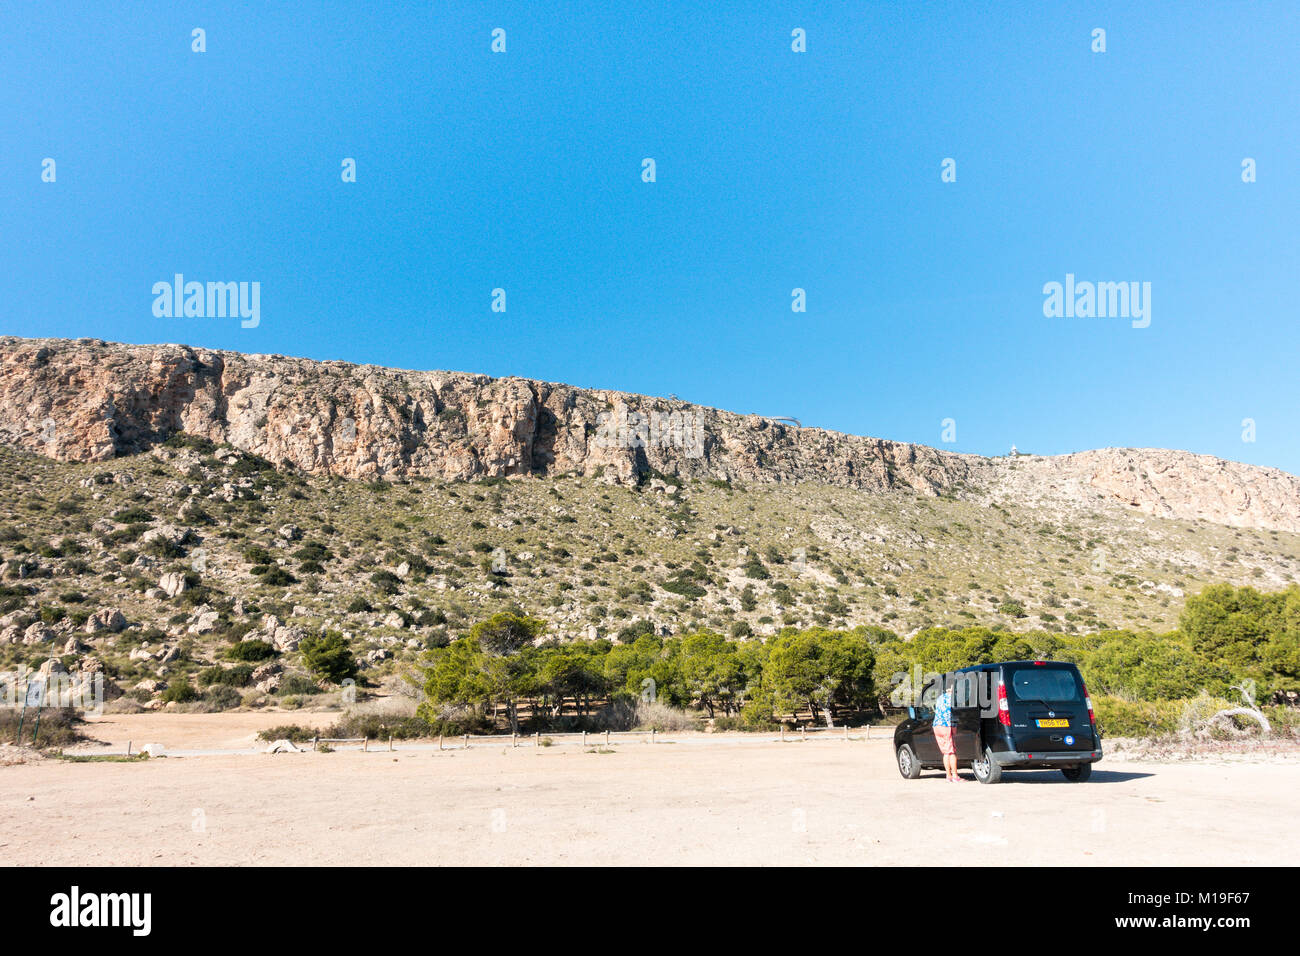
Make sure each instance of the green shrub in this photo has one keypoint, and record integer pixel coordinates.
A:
(313, 551)
(179, 692)
(328, 657)
(60, 726)
(379, 727)
(684, 588)
(181, 440)
(238, 676)
(278, 577)
(386, 581)
(222, 697)
(297, 684)
(1122, 718)
(250, 650)
(296, 733)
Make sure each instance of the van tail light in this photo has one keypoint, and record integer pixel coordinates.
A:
(1004, 710)
(1087, 701)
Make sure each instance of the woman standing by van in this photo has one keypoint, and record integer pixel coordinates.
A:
(942, 725)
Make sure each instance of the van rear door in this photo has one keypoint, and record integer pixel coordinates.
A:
(966, 715)
(1048, 711)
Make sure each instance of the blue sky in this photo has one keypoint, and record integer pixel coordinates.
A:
(775, 170)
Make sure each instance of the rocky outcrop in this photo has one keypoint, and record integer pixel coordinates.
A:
(1154, 481)
(88, 400)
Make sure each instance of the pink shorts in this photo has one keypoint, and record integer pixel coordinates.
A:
(944, 736)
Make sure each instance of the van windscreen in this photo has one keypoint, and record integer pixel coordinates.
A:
(1045, 684)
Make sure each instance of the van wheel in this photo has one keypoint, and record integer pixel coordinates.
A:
(908, 765)
(1077, 774)
(986, 768)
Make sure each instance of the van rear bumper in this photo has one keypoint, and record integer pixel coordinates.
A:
(1049, 758)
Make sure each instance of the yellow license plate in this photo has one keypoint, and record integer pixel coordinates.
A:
(1058, 722)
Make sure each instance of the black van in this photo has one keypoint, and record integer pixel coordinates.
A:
(1014, 715)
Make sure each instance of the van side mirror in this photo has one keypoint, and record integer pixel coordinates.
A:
(911, 713)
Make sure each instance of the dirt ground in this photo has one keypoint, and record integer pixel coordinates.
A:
(716, 801)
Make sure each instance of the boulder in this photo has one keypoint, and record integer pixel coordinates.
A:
(267, 670)
(53, 666)
(173, 583)
(106, 619)
(38, 633)
(286, 639)
(270, 685)
(169, 534)
(204, 620)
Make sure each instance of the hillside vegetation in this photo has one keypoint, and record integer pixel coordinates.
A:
(199, 574)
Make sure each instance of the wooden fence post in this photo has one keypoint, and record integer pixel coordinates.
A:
(606, 738)
(652, 735)
(467, 741)
(315, 741)
(390, 743)
(365, 744)
(440, 741)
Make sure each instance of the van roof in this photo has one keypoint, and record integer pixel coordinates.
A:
(1001, 664)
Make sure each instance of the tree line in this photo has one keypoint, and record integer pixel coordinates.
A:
(1226, 635)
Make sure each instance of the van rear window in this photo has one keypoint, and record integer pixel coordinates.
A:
(1045, 684)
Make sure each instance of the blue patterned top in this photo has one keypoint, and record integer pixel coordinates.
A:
(943, 710)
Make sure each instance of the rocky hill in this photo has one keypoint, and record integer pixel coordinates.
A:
(165, 512)
(88, 400)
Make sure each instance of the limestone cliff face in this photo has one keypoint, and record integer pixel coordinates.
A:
(88, 400)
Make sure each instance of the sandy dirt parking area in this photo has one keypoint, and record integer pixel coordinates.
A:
(719, 801)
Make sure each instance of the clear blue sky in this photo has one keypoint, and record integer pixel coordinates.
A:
(775, 170)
